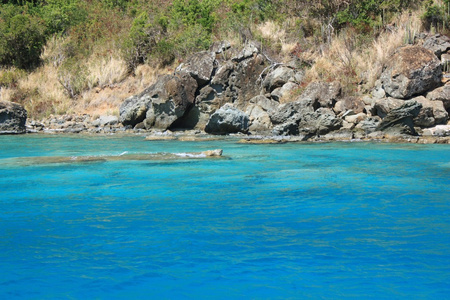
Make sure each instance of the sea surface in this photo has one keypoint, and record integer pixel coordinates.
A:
(290, 221)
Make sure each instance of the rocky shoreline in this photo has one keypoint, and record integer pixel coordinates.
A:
(242, 93)
(109, 125)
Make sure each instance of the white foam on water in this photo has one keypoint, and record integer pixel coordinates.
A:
(191, 155)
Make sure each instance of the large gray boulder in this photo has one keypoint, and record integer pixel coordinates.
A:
(437, 43)
(284, 92)
(258, 110)
(320, 122)
(162, 104)
(326, 94)
(235, 81)
(244, 82)
(199, 66)
(412, 70)
(432, 113)
(400, 120)
(383, 106)
(12, 118)
(304, 118)
(227, 119)
(354, 104)
(292, 111)
(441, 94)
(277, 78)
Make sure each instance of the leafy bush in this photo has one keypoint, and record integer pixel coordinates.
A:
(142, 39)
(193, 12)
(436, 15)
(60, 15)
(21, 38)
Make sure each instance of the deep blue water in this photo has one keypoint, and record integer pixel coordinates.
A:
(291, 221)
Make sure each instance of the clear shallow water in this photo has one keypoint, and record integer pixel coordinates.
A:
(349, 220)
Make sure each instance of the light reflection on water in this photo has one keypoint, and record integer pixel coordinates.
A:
(272, 221)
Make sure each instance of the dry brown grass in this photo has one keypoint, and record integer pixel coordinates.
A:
(350, 64)
(106, 99)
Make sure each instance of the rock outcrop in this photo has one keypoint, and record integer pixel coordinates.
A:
(400, 120)
(249, 93)
(228, 119)
(412, 70)
(432, 113)
(12, 118)
(326, 94)
(162, 104)
(441, 94)
(437, 43)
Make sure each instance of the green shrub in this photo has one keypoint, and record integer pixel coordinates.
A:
(435, 15)
(193, 12)
(60, 15)
(10, 78)
(164, 52)
(21, 38)
(142, 39)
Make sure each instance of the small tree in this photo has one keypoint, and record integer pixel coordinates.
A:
(21, 40)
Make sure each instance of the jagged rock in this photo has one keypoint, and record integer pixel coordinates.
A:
(355, 119)
(339, 135)
(369, 125)
(412, 70)
(349, 103)
(105, 120)
(326, 94)
(286, 128)
(298, 77)
(438, 44)
(400, 120)
(199, 66)
(227, 119)
(277, 78)
(161, 104)
(283, 91)
(259, 114)
(249, 51)
(378, 91)
(432, 113)
(292, 111)
(383, 106)
(441, 94)
(244, 82)
(220, 47)
(12, 118)
(320, 122)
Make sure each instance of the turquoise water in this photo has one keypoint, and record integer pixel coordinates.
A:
(348, 220)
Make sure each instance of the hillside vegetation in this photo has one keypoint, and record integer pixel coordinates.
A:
(86, 56)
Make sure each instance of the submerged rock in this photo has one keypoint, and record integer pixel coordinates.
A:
(42, 160)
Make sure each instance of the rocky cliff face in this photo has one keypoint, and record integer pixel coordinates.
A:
(227, 91)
